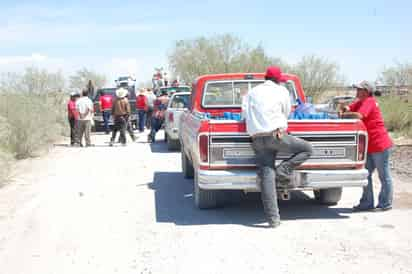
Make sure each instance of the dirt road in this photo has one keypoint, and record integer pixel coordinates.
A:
(129, 210)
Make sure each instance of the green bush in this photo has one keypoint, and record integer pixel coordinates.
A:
(397, 114)
(5, 158)
(33, 121)
(32, 111)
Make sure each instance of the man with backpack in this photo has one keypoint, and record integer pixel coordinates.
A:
(159, 109)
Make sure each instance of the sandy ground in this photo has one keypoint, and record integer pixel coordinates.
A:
(129, 210)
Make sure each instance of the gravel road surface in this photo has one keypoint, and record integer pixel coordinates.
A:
(129, 210)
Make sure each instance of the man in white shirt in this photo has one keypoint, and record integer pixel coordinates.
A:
(85, 108)
(266, 109)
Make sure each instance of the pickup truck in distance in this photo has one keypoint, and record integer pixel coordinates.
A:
(177, 105)
(216, 150)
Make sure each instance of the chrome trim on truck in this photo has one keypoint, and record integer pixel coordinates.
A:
(306, 179)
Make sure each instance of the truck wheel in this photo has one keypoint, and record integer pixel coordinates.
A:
(329, 196)
(187, 167)
(205, 199)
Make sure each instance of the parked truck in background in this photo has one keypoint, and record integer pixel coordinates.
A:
(216, 150)
(126, 82)
(178, 104)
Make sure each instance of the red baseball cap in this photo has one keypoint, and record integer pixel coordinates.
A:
(275, 72)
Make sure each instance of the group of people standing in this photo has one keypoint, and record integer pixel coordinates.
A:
(150, 110)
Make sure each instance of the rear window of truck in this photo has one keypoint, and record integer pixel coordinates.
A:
(228, 94)
(180, 101)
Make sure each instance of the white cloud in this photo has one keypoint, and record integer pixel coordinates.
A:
(24, 60)
(59, 32)
(139, 67)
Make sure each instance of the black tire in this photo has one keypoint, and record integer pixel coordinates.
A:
(97, 127)
(206, 199)
(187, 167)
(172, 144)
(328, 196)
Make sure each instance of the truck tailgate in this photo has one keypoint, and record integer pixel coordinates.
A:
(335, 143)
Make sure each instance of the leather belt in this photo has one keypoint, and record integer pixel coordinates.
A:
(270, 133)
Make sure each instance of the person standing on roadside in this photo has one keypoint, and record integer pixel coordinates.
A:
(105, 103)
(159, 109)
(266, 109)
(121, 112)
(150, 100)
(85, 108)
(90, 89)
(73, 116)
(142, 107)
(366, 108)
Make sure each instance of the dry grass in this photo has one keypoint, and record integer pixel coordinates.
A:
(33, 121)
(28, 123)
(397, 114)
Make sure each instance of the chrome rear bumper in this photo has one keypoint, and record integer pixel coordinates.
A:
(304, 179)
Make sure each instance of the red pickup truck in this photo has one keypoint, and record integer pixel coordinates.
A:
(216, 150)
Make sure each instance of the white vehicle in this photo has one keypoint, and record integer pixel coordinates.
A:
(125, 81)
(178, 103)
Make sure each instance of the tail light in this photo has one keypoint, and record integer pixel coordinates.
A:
(361, 147)
(171, 117)
(204, 148)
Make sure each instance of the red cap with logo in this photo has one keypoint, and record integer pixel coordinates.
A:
(276, 73)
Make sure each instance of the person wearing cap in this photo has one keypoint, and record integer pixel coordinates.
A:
(159, 109)
(105, 103)
(121, 112)
(85, 108)
(142, 106)
(366, 108)
(73, 117)
(266, 109)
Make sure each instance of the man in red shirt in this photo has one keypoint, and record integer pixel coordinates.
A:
(366, 108)
(105, 102)
(73, 117)
(142, 106)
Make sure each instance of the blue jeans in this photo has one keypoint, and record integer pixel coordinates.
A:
(142, 120)
(266, 149)
(156, 126)
(106, 118)
(379, 161)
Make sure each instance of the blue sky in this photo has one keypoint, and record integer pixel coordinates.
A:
(122, 37)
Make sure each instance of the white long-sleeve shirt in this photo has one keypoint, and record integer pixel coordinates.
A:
(266, 108)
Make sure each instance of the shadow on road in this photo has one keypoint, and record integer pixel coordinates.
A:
(174, 204)
(160, 146)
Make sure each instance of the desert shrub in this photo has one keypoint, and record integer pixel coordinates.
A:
(32, 110)
(5, 164)
(33, 122)
(397, 113)
(5, 158)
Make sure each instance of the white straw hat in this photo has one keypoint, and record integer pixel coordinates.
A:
(121, 92)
